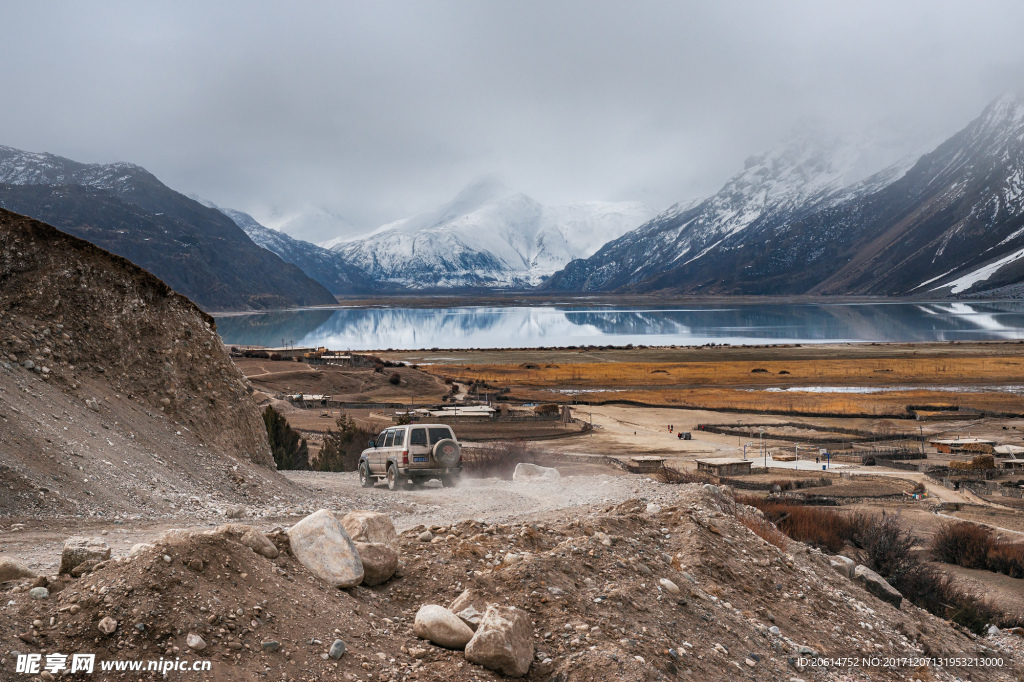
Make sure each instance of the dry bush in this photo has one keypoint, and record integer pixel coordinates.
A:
(962, 543)
(680, 477)
(823, 528)
(1007, 558)
(496, 460)
(886, 544)
(765, 530)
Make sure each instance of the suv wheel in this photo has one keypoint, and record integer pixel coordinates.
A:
(395, 482)
(365, 479)
(451, 480)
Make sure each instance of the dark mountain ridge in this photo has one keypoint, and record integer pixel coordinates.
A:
(126, 210)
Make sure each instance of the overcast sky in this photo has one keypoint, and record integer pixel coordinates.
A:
(377, 110)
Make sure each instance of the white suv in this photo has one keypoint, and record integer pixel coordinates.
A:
(412, 454)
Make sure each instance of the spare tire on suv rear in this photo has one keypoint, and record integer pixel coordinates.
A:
(447, 452)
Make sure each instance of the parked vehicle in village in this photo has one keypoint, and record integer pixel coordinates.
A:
(412, 455)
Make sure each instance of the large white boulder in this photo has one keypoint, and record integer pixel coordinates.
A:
(321, 544)
(375, 537)
(78, 550)
(371, 527)
(441, 626)
(532, 472)
(503, 641)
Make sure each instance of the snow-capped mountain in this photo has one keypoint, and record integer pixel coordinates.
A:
(806, 173)
(797, 221)
(488, 236)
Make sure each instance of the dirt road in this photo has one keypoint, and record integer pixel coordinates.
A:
(489, 500)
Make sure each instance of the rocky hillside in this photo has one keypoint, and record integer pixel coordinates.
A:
(793, 223)
(669, 587)
(123, 208)
(116, 395)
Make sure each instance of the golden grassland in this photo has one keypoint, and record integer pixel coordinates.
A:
(922, 370)
(738, 385)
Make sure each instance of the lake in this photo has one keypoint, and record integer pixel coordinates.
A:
(554, 325)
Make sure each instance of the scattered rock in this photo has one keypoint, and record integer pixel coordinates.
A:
(84, 567)
(270, 645)
(603, 539)
(653, 508)
(195, 642)
(235, 512)
(337, 649)
(877, 585)
(321, 545)
(139, 548)
(442, 627)
(526, 472)
(39, 593)
(425, 536)
(842, 565)
(379, 562)
(503, 641)
(468, 599)
(92, 404)
(107, 626)
(669, 586)
(251, 537)
(14, 570)
(471, 617)
(775, 630)
(78, 550)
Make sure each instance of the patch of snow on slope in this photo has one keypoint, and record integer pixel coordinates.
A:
(981, 274)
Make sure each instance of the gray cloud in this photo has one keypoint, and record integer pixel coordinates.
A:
(373, 111)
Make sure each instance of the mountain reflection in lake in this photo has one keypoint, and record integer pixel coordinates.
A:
(748, 324)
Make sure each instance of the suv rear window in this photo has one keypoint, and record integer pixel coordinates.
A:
(389, 439)
(419, 437)
(440, 433)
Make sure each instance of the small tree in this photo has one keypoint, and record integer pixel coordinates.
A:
(395, 379)
(342, 448)
(288, 447)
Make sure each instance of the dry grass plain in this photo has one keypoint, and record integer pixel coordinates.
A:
(970, 376)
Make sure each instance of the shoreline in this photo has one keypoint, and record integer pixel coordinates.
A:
(521, 299)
